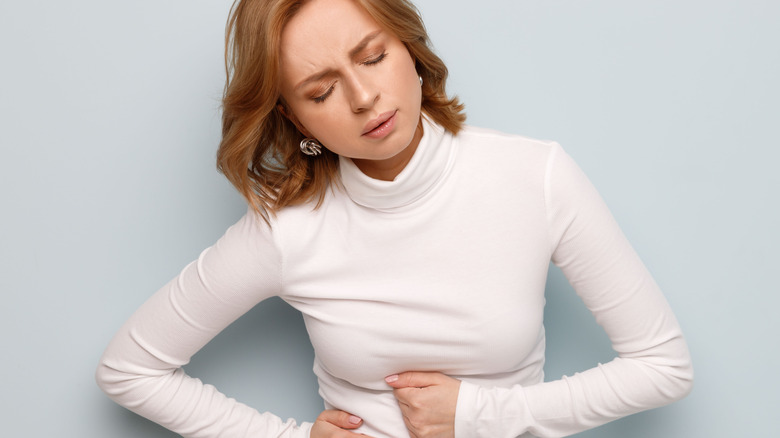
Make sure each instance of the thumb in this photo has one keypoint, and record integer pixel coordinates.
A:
(341, 419)
(412, 379)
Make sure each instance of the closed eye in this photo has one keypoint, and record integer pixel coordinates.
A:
(321, 98)
(377, 60)
(371, 61)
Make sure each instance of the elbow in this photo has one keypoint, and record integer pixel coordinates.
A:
(683, 373)
(135, 385)
(670, 377)
(678, 378)
(105, 377)
(674, 368)
(683, 379)
(114, 379)
(678, 385)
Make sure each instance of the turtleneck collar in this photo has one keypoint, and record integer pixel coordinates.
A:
(428, 165)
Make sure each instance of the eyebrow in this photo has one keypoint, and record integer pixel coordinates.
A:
(363, 43)
(352, 53)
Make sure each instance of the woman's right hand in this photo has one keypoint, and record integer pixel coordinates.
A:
(335, 424)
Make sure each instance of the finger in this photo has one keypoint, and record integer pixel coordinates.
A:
(323, 429)
(413, 379)
(342, 419)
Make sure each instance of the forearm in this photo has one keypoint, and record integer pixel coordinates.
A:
(139, 373)
(653, 366)
(141, 368)
(572, 404)
(187, 406)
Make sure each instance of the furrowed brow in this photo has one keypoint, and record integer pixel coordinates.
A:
(352, 53)
(313, 78)
(363, 43)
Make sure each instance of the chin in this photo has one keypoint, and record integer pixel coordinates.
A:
(403, 141)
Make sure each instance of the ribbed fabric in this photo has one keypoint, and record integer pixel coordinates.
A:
(442, 269)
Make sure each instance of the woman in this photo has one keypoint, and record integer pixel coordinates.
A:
(416, 248)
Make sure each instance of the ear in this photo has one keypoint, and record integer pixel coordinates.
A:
(288, 114)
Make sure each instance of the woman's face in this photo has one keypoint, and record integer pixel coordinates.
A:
(351, 85)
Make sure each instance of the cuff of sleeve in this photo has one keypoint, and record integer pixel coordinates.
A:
(491, 412)
(466, 410)
(304, 430)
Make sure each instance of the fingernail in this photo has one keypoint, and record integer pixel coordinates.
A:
(391, 379)
(354, 420)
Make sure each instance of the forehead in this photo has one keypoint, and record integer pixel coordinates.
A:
(323, 31)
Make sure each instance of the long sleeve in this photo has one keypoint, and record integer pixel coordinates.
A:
(141, 368)
(653, 366)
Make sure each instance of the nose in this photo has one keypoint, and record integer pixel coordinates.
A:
(364, 94)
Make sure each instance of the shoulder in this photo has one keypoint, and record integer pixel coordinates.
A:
(294, 227)
(484, 137)
(251, 234)
(504, 150)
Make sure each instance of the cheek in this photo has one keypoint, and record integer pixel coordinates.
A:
(406, 82)
(414, 93)
(411, 80)
(325, 126)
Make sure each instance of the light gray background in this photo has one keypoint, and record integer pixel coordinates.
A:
(109, 115)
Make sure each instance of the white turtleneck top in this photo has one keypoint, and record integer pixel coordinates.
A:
(442, 269)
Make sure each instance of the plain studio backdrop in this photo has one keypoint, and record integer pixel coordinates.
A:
(109, 117)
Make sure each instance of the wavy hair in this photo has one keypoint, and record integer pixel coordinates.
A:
(259, 152)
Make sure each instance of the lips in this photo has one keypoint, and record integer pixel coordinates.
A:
(380, 126)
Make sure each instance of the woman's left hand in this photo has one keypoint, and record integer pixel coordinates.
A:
(427, 401)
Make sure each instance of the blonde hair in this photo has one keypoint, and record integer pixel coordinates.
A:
(259, 151)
